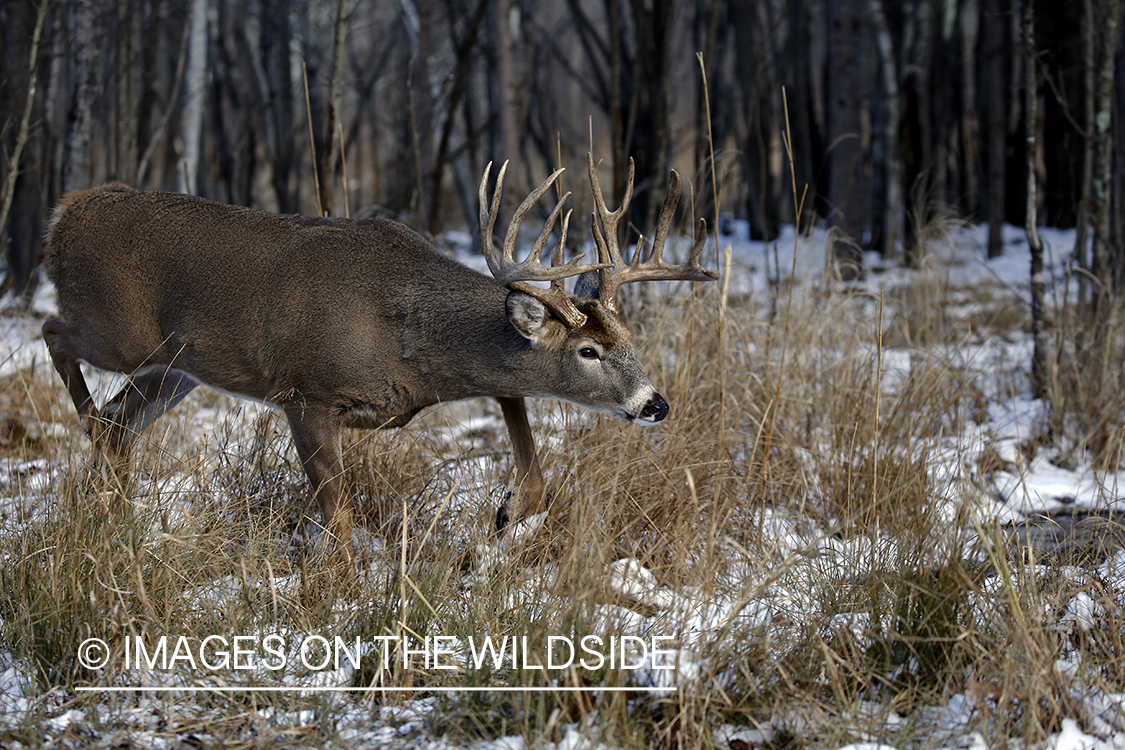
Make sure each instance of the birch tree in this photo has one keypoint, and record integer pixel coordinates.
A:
(194, 86)
(79, 149)
(1104, 134)
(1039, 358)
(886, 154)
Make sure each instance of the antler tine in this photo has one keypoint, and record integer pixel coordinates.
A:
(537, 250)
(488, 212)
(671, 200)
(503, 265)
(517, 275)
(558, 256)
(556, 297)
(610, 219)
(532, 268)
(693, 264)
(654, 268)
(509, 256)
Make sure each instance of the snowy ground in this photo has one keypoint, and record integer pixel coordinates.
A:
(697, 621)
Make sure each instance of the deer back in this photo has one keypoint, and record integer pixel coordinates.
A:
(249, 301)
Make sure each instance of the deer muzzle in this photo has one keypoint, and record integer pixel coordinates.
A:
(654, 410)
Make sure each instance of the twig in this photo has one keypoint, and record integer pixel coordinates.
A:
(312, 140)
(344, 167)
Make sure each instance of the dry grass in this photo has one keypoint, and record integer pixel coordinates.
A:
(876, 613)
(1089, 383)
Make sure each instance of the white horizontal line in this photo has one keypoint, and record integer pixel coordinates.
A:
(298, 689)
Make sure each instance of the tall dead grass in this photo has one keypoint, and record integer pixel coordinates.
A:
(1088, 384)
(881, 606)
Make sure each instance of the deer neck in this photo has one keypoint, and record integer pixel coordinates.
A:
(475, 351)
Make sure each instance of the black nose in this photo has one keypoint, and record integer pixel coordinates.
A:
(656, 409)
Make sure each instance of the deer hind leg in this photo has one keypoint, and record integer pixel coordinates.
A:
(65, 355)
(316, 435)
(143, 399)
(65, 358)
(528, 497)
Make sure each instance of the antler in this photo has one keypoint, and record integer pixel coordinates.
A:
(619, 272)
(515, 274)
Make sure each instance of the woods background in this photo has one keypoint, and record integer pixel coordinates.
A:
(898, 110)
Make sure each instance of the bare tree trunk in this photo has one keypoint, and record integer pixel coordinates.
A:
(970, 122)
(996, 122)
(1117, 187)
(617, 134)
(20, 258)
(13, 165)
(78, 163)
(652, 68)
(705, 201)
(920, 146)
(422, 114)
(195, 88)
(1081, 254)
(800, 120)
(464, 51)
(56, 107)
(235, 128)
(846, 188)
(332, 116)
(220, 118)
(127, 131)
(1103, 265)
(1039, 361)
(754, 75)
(505, 105)
(173, 100)
(277, 34)
(889, 207)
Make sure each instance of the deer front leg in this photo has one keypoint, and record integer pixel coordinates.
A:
(528, 496)
(316, 434)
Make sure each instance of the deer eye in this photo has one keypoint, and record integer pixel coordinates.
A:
(588, 352)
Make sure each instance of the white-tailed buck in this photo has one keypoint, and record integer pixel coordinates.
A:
(339, 323)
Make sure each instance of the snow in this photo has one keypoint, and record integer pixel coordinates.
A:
(1071, 738)
(695, 620)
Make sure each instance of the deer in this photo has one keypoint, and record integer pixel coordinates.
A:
(342, 323)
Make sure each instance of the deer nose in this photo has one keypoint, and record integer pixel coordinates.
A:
(656, 409)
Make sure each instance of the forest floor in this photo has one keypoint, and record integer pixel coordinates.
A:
(855, 527)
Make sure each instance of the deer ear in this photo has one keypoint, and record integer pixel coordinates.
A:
(528, 316)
